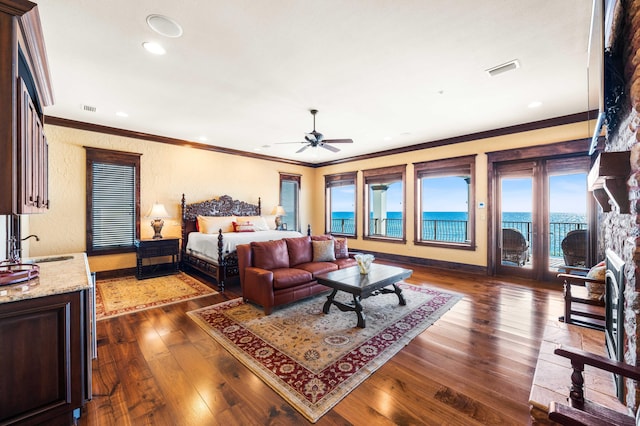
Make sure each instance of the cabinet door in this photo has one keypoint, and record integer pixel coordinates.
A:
(32, 157)
(43, 353)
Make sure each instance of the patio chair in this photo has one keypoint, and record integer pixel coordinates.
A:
(584, 296)
(515, 247)
(574, 248)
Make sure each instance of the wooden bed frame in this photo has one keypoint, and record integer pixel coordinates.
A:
(224, 205)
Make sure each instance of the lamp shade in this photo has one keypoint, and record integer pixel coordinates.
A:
(278, 211)
(158, 211)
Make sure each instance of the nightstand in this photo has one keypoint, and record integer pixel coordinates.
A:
(147, 249)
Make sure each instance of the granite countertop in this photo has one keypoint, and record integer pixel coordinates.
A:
(56, 277)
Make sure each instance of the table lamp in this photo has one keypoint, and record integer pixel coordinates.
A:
(279, 212)
(158, 212)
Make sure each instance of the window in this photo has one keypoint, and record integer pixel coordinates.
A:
(445, 202)
(340, 196)
(289, 200)
(385, 214)
(113, 201)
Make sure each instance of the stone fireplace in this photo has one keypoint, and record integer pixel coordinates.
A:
(614, 318)
(620, 232)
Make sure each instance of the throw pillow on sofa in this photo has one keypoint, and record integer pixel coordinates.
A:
(323, 251)
(340, 244)
(341, 250)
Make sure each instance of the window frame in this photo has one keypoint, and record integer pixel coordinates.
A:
(446, 168)
(392, 173)
(97, 155)
(334, 181)
(290, 177)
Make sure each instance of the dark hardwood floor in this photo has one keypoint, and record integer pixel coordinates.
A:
(473, 366)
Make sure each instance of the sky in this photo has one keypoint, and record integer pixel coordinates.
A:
(568, 195)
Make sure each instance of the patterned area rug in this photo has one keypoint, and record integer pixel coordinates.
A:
(314, 360)
(119, 296)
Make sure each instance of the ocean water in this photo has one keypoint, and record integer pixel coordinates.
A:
(506, 216)
(452, 226)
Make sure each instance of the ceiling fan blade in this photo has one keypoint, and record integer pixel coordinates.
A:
(329, 147)
(302, 149)
(284, 143)
(338, 141)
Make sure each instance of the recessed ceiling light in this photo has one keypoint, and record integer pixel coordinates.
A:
(154, 48)
(122, 114)
(164, 25)
(203, 138)
(535, 104)
(502, 68)
(387, 138)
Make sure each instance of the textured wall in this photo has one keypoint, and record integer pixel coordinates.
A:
(167, 171)
(621, 232)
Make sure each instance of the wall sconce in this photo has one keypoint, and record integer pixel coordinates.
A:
(279, 212)
(158, 212)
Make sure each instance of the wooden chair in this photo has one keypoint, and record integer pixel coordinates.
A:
(515, 247)
(574, 248)
(579, 309)
(581, 411)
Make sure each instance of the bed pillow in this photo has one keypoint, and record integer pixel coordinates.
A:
(245, 226)
(211, 224)
(270, 254)
(341, 250)
(271, 221)
(323, 251)
(259, 224)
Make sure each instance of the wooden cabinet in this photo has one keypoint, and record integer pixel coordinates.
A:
(45, 359)
(25, 89)
(33, 161)
(147, 249)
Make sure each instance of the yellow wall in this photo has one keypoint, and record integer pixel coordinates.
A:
(167, 171)
(479, 147)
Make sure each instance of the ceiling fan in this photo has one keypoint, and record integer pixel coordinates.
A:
(315, 138)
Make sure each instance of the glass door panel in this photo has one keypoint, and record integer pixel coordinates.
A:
(516, 227)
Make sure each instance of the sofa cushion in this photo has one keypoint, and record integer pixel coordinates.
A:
(345, 263)
(290, 277)
(323, 251)
(299, 250)
(317, 268)
(270, 254)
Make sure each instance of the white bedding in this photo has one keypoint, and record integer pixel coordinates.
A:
(205, 246)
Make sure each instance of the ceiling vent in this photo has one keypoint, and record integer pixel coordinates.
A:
(508, 66)
(89, 108)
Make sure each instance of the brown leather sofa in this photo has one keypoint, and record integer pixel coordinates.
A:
(274, 273)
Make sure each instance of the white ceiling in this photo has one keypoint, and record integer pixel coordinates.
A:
(385, 73)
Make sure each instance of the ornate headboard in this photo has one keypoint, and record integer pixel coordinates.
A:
(223, 205)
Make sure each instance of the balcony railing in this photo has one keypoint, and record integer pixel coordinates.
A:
(455, 230)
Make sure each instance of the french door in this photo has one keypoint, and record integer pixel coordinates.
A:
(540, 206)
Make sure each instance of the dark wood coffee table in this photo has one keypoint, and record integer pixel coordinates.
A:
(362, 286)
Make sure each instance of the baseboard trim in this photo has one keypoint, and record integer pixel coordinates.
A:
(440, 264)
(116, 273)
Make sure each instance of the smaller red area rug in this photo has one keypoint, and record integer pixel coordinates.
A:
(119, 296)
(314, 360)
